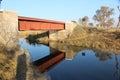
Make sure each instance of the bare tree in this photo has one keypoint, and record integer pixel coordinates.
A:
(118, 17)
(0, 3)
(84, 20)
(80, 21)
(103, 16)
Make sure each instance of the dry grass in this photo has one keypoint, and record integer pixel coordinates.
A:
(8, 62)
(96, 38)
(78, 33)
(7, 66)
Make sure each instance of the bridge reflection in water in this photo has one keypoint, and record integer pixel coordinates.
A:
(46, 63)
(42, 56)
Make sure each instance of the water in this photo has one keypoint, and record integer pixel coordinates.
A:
(68, 63)
(37, 51)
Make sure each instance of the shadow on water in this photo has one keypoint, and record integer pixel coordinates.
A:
(41, 37)
(34, 42)
(33, 38)
(21, 67)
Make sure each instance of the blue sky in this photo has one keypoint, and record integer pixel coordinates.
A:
(60, 10)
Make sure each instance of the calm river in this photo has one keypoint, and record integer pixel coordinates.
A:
(60, 62)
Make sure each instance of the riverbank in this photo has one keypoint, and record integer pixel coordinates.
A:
(95, 38)
(8, 64)
(106, 39)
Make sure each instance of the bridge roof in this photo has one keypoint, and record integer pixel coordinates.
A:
(39, 20)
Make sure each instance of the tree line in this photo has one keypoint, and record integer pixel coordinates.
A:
(103, 18)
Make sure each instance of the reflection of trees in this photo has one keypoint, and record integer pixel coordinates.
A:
(116, 74)
(103, 55)
(118, 25)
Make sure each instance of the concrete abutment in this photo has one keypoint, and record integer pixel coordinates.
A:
(8, 29)
(55, 35)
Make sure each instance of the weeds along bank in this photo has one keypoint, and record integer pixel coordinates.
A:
(15, 65)
(8, 64)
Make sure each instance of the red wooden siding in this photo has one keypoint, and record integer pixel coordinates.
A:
(26, 23)
(52, 62)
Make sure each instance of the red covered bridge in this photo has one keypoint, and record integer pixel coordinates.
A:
(27, 23)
